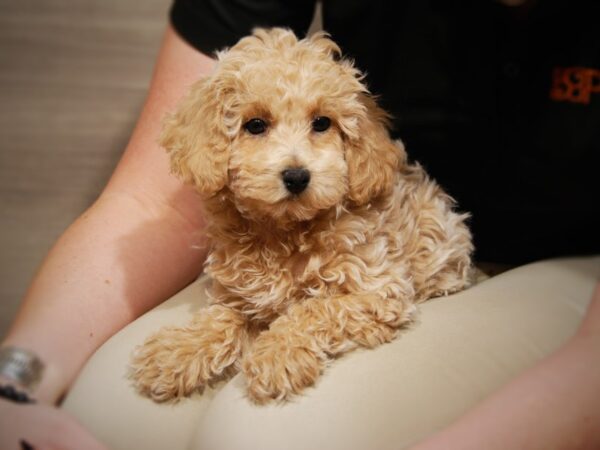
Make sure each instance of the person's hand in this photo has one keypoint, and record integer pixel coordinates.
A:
(42, 427)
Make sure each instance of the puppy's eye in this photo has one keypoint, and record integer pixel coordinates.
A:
(321, 123)
(255, 126)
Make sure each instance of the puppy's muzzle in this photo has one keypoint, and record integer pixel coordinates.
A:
(295, 180)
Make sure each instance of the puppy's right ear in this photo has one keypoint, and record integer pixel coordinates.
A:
(195, 138)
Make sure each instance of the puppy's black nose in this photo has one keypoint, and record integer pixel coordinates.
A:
(295, 180)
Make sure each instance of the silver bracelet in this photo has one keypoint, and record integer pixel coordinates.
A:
(20, 366)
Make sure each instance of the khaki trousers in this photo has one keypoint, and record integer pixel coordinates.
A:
(459, 350)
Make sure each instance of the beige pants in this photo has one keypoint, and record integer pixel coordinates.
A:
(460, 349)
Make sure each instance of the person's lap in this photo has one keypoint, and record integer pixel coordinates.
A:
(460, 349)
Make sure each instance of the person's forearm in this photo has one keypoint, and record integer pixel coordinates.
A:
(136, 246)
(115, 262)
(556, 404)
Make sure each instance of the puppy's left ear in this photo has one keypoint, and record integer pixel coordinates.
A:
(373, 158)
(196, 139)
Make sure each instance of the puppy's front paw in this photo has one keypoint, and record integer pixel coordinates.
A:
(158, 367)
(175, 362)
(377, 321)
(280, 366)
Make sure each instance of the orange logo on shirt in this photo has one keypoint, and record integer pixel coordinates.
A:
(574, 84)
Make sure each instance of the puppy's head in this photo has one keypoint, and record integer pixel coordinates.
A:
(286, 126)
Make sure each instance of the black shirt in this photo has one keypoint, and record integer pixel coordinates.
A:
(501, 105)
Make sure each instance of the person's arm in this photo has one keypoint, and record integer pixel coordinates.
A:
(133, 248)
(555, 404)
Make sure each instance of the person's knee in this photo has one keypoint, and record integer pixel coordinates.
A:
(361, 401)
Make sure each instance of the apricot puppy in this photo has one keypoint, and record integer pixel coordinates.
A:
(322, 236)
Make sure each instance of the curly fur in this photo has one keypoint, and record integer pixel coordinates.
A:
(298, 279)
